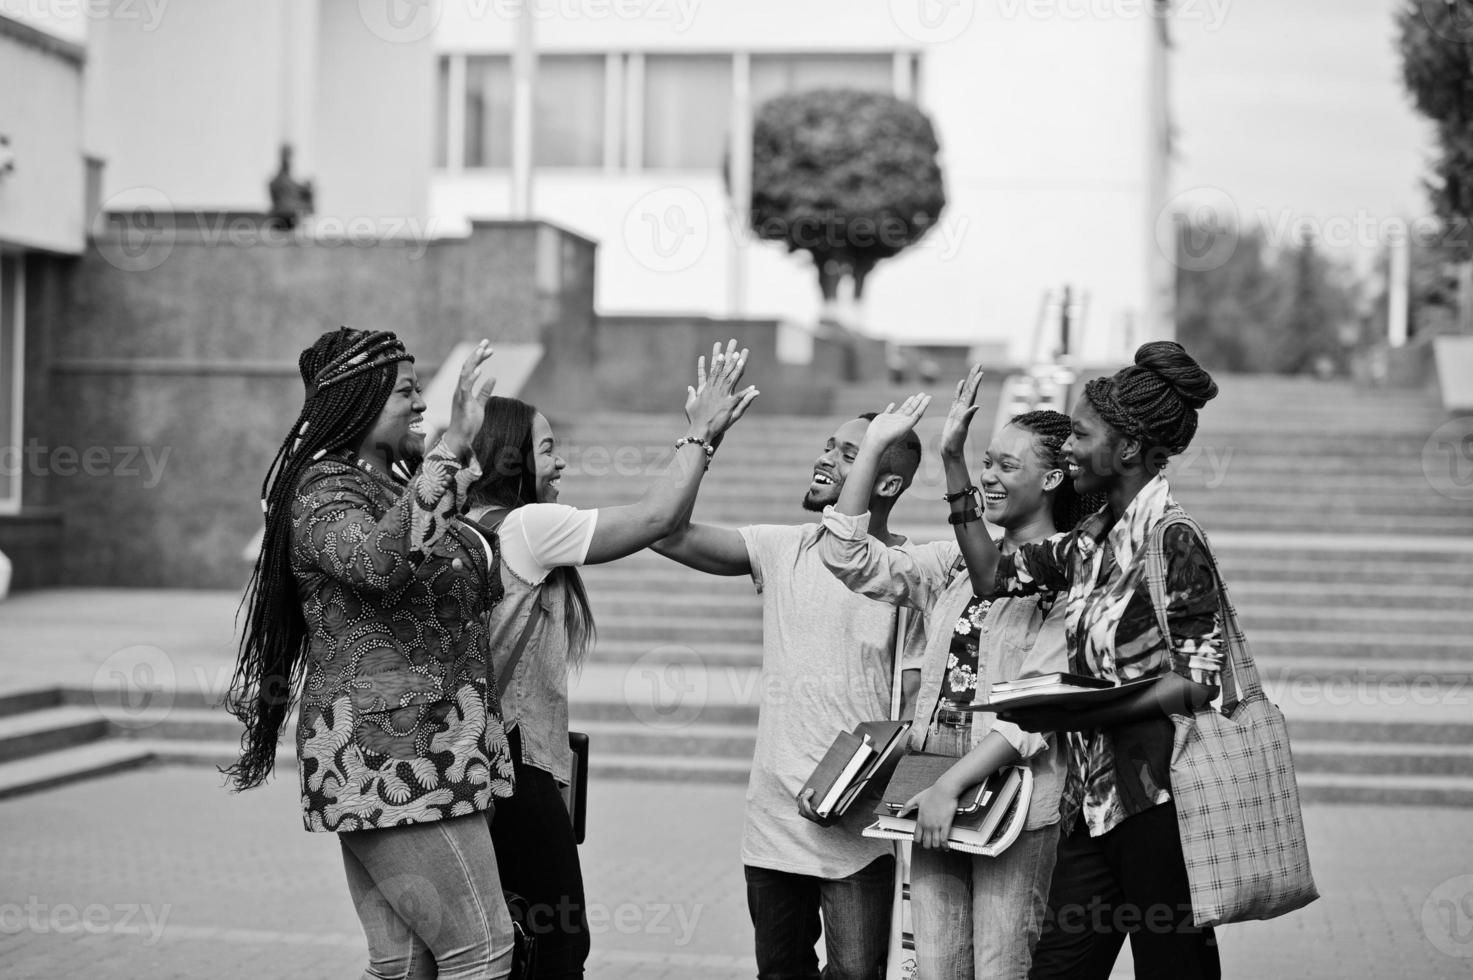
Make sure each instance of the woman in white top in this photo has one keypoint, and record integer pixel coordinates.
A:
(545, 612)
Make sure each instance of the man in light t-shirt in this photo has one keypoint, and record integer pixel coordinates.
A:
(827, 658)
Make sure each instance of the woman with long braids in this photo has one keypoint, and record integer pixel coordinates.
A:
(544, 627)
(369, 599)
(972, 916)
(1120, 869)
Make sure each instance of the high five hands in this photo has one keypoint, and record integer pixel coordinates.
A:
(468, 406)
(959, 418)
(891, 425)
(713, 404)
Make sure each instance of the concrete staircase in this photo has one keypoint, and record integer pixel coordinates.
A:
(1350, 570)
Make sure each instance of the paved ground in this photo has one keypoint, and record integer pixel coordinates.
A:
(162, 874)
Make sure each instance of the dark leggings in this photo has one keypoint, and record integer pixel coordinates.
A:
(538, 858)
(1131, 882)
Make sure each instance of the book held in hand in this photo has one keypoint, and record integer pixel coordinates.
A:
(856, 761)
(988, 830)
(1055, 691)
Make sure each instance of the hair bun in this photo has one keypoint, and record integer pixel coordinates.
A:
(1171, 362)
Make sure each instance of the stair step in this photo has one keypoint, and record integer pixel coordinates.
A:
(68, 765)
(31, 699)
(1317, 787)
(47, 730)
(1370, 758)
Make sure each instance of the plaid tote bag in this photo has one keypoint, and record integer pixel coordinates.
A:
(1232, 776)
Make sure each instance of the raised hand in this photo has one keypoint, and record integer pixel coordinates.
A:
(959, 418)
(891, 425)
(468, 407)
(714, 405)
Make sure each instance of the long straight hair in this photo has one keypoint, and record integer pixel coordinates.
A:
(503, 446)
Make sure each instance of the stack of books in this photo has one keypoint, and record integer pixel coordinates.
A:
(1054, 691)
(856, 761)
(989, 815)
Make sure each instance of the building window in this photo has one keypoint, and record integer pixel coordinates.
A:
(488, 111)
(12, 376)
(568, 124)
(685, 127)
(780, 74)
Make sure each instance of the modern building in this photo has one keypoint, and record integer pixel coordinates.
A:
(1052, 117)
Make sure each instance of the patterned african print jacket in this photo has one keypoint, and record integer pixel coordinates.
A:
(397, 725)
(1112, 633)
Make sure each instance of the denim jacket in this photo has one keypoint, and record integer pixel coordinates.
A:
(535, 701)
(1016, 638)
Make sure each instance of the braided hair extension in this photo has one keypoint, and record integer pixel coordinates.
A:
(1050, 431)
(348, 375)
(508, 479)
(1155, 400)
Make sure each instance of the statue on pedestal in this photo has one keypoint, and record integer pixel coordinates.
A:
(291, 199)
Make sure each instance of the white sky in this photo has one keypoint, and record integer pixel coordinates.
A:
(1295, 108)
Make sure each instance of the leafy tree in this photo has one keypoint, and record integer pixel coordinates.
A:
(1262, 309)
(849, 177)
(1436, 42)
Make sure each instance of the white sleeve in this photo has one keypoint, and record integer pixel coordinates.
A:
(537, 538)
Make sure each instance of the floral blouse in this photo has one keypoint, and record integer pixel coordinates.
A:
(1112, 633)
(397, 723)
(960, 685)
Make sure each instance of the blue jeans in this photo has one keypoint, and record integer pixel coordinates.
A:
(785, 910)
(429, 897)
(980, 916)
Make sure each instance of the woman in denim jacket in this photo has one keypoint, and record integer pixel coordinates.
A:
(542, 543)
(973, 916)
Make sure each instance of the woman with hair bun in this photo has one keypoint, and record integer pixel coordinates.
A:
(973, 916)
(1120, 870)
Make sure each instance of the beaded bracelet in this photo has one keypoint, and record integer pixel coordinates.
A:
(710, 450)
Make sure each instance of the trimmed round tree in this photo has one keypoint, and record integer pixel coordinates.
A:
(849, 177)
